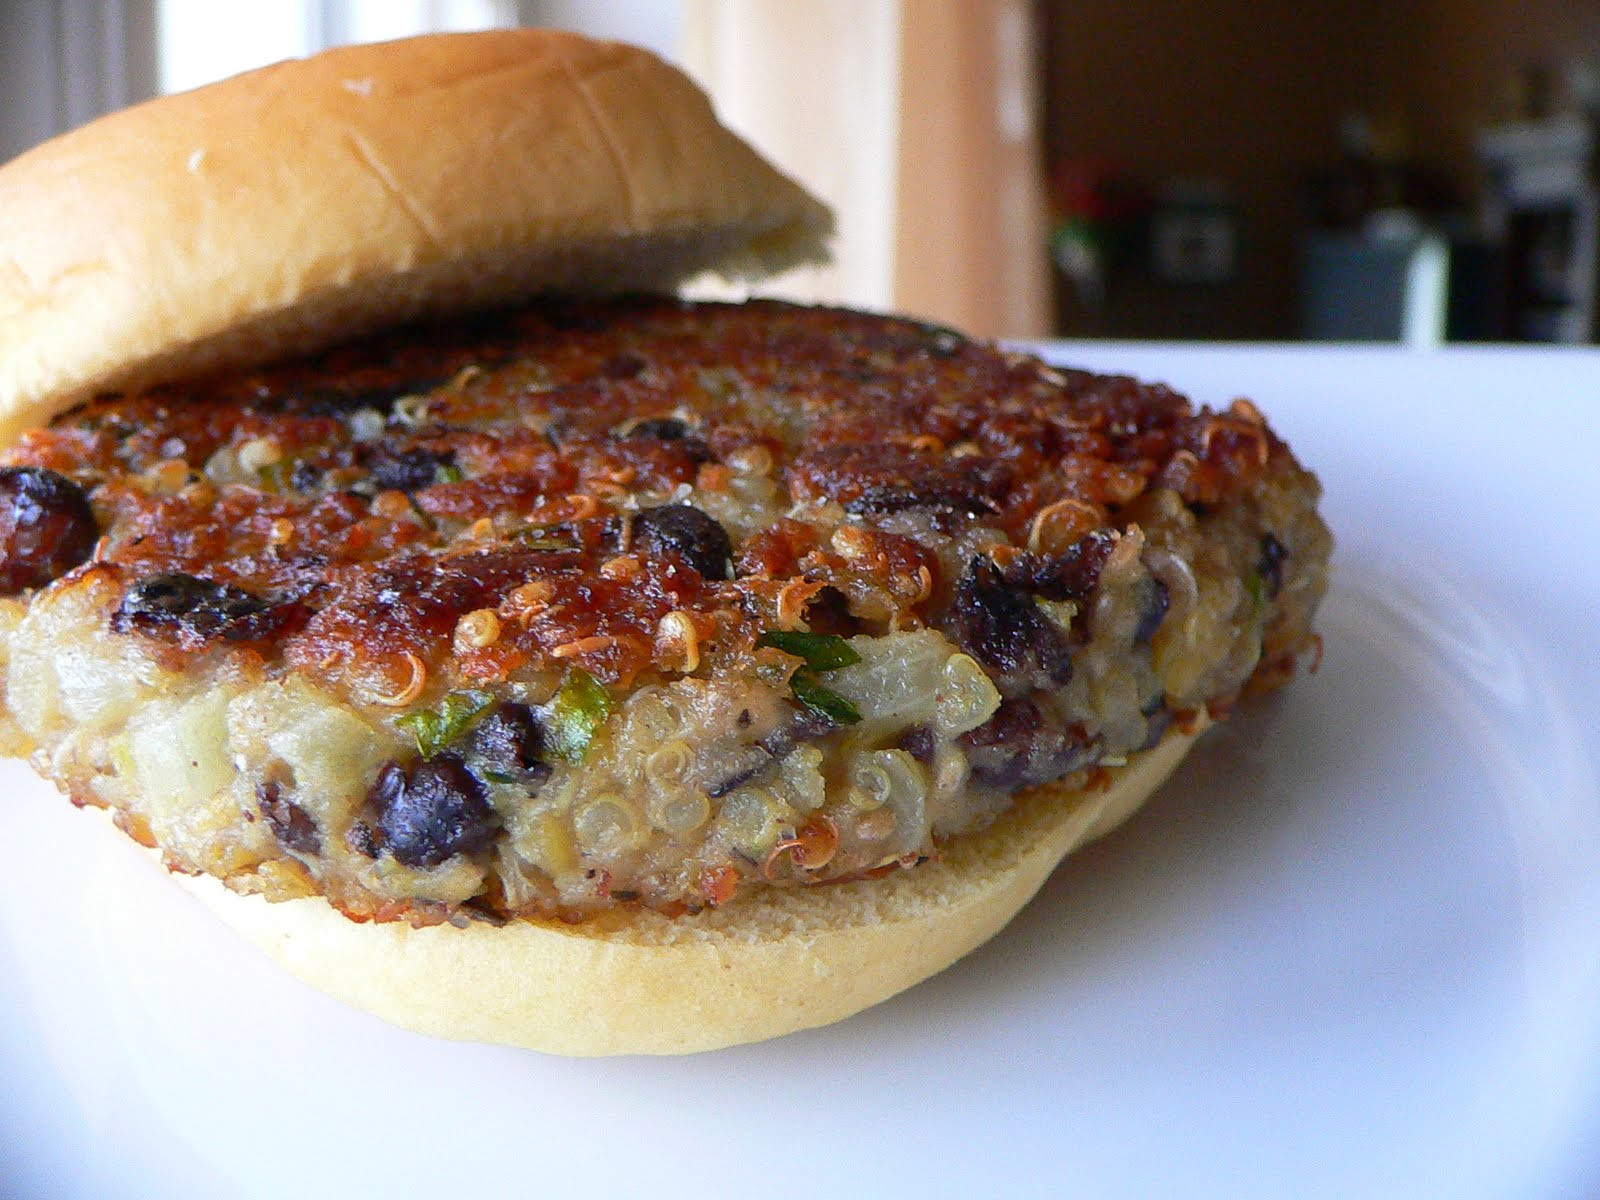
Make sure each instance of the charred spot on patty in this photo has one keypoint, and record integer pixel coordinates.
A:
(883, 479)
(46, 527)
(199, 610)
(1072, 574)
(1000, 625)
(694, 535)
(406, 469)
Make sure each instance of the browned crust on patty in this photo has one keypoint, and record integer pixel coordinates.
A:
(875, 414)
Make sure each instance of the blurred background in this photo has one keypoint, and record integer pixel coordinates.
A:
(1412, 171)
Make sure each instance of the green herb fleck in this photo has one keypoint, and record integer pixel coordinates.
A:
(437, 728)
(1257, 588)
(275, 478)
(447, 473)
(575, 715)
(809, 691)
(822, 651)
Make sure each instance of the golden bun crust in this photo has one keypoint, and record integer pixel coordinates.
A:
(291, 207)
(773, 963)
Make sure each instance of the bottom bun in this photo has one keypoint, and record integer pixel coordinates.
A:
(640, 983)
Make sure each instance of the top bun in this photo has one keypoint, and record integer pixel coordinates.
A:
(291, 207)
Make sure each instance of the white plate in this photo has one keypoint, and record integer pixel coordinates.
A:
(1352, 950)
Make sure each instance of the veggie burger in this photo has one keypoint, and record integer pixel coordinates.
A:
(527, 655)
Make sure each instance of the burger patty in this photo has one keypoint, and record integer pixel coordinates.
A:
(630, 602)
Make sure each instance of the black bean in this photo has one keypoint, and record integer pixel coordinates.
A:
(1156, 601)
(437, 810)
(1270, 565)
(335, 400)
(752, 764)
(183, 604)
(1025, 744)
(693, 535)
(800, 725)
(390, 786)
(46, 527)
(362, 840)
(829, 612)
(670, 429)
(1156, 725)
(662, 429)
(1000, 625)
(507, 745)
(803, 724)
(305, 476)
(396, 469)
(294, 827)
(919, 742)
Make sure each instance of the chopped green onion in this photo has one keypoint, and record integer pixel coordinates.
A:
(447, 473)
(437, 728)
(822, 651)
(575, 715)
(275, 478)
(810, 692)
(1257, 588)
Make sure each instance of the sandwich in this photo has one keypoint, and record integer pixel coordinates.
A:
(527, 654)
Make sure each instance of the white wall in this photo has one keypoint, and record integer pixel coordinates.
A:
(66, 63)
(655, 24)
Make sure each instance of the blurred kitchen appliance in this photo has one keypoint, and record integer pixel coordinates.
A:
(1400, 280)
(1543, 203)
